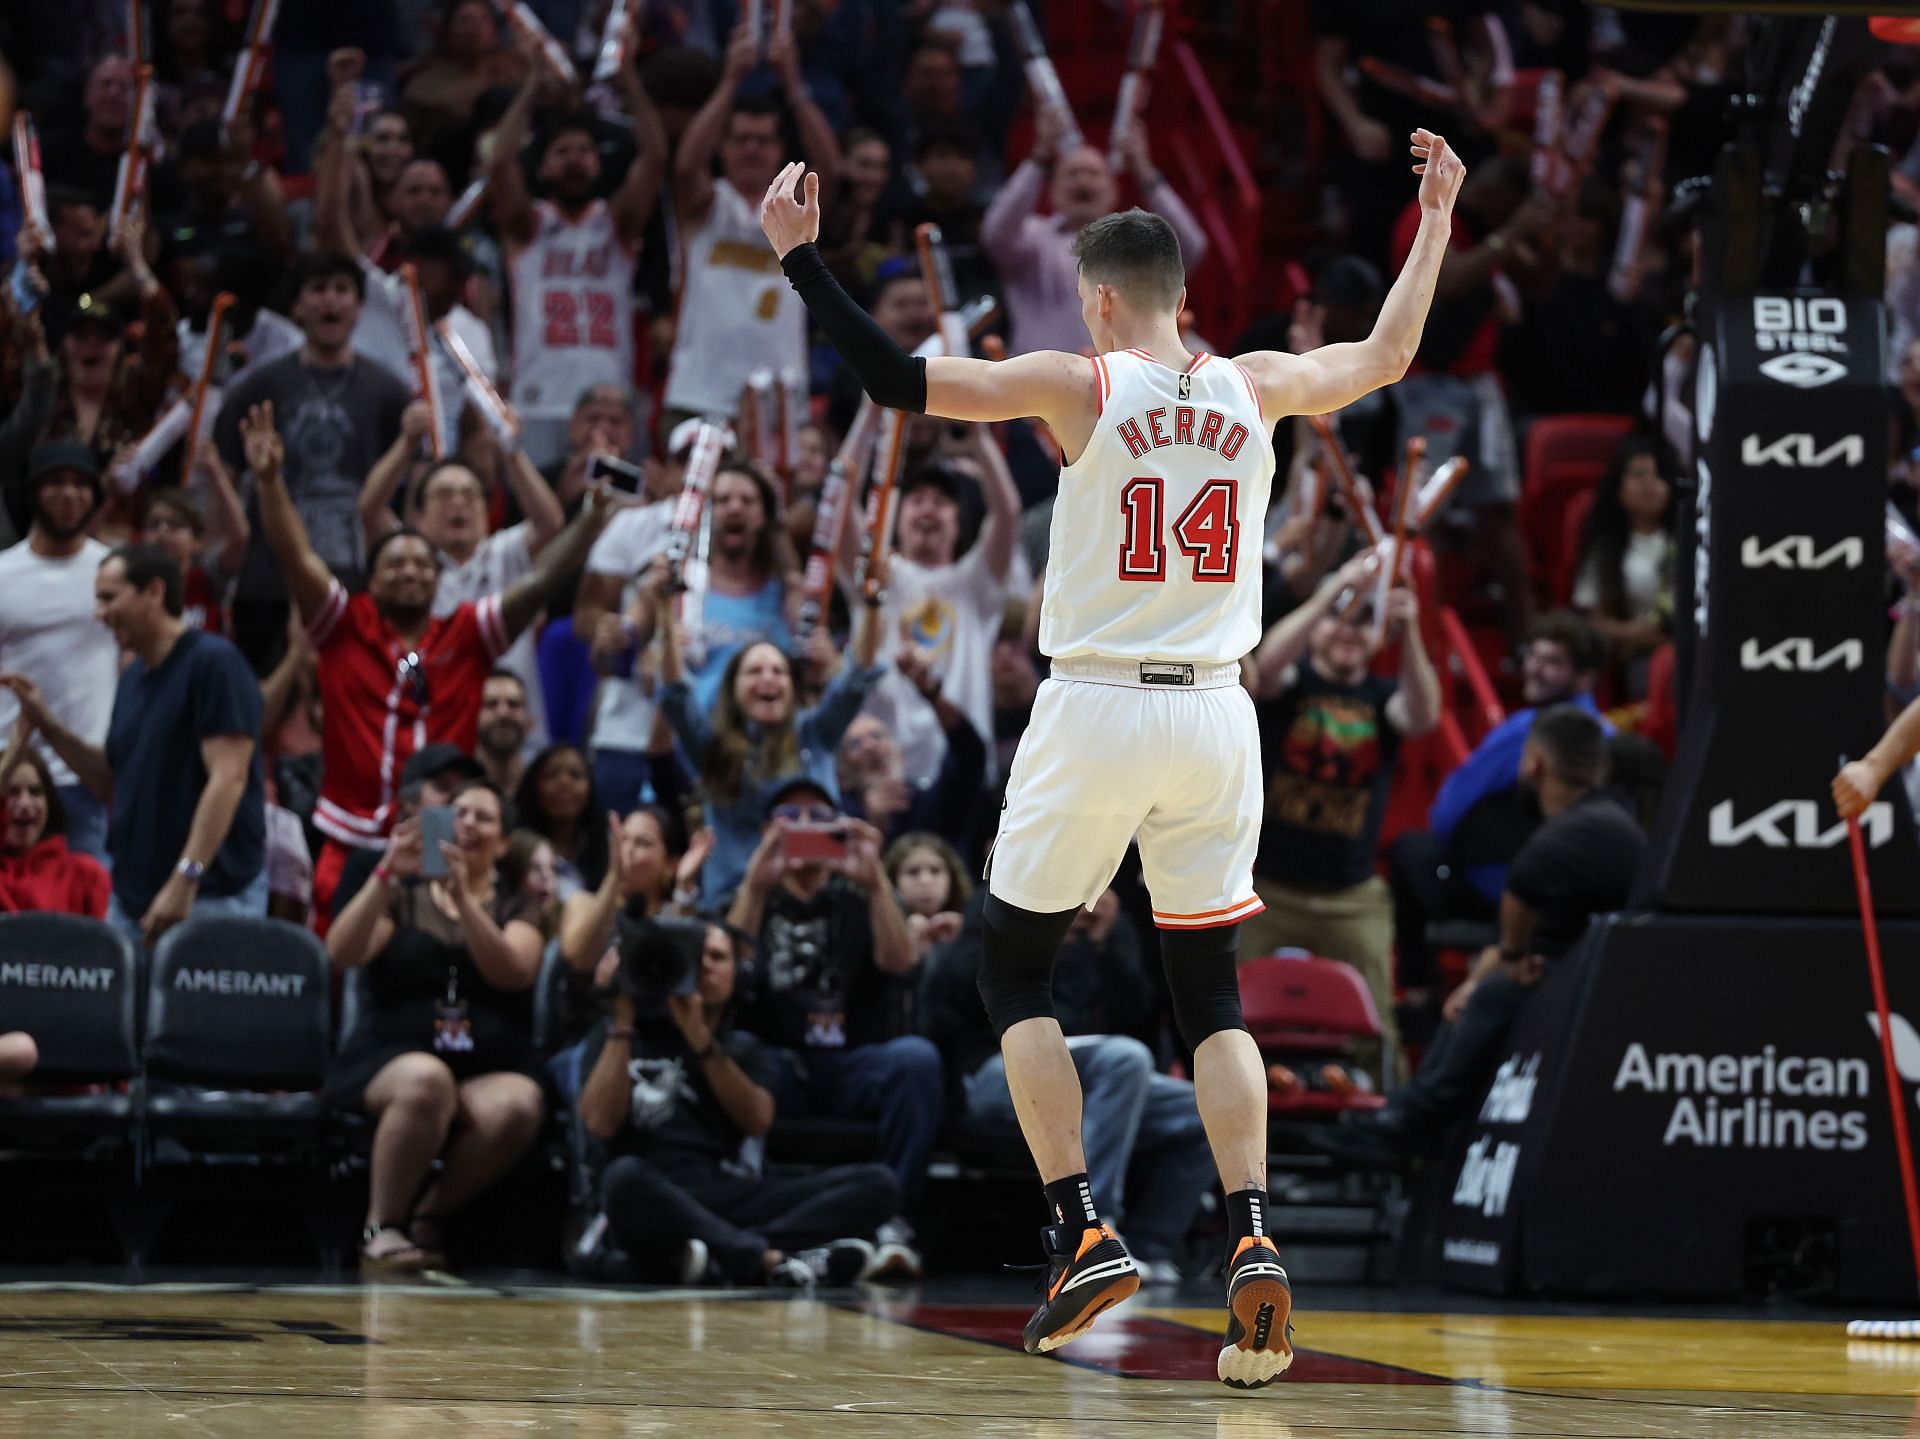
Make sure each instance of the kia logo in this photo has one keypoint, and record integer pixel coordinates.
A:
(1802, 371)
(1798, 656)
(1793, 824)
(1798, 452)
(1800, 552)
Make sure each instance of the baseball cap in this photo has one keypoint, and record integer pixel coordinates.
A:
(799, 784)
(436, 759)
(61, 455)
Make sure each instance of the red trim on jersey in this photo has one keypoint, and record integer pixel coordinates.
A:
(1142, 354)
(1252, 390)
(1193, 365)
(1102, 386)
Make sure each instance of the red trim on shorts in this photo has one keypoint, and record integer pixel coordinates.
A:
(1234, 912)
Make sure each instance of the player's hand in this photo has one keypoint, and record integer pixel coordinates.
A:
(790, 223)
(1855, 786)
(1440, 172)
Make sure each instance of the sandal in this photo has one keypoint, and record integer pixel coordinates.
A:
(386, 1248)
(424, 1232)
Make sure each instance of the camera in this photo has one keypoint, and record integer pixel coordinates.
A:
(659, 957)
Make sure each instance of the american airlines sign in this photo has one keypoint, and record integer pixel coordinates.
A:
(1800, 452)
(1794, 824)
(1798, 656)
(1801, 552)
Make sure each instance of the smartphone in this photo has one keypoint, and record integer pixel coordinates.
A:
(816, 843)
(436, 829)
(617, 473)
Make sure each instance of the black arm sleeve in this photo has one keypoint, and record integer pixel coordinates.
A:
(888, 373)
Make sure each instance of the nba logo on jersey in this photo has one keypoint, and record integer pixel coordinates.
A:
(1186, 387)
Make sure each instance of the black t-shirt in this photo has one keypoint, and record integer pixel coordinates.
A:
(672, 1108)
(1578, 864)
(815, 984)
(202, 689)
(1327, 753)
(1395, 33)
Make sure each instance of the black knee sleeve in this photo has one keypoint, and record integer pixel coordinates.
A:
(1016, 970)
(1202, 974)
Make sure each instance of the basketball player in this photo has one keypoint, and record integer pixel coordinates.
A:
(1152, 598)
(570, 257)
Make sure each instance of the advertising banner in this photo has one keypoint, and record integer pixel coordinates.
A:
(1786, 616)
(1700, 1105)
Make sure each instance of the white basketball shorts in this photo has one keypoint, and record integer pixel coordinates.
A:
(1116, 749)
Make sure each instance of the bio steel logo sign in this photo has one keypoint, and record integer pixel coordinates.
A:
(1793, 824)
(1799, 656)
(1803, 337)
(1801, 452)
(1801, 552)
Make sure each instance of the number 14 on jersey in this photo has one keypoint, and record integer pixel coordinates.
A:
(1207, 532)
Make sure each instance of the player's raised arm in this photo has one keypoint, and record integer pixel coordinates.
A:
(1336, 375)
(1046, 384)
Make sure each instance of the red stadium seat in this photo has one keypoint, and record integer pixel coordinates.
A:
(1298, 1007)
(1566, 562)
(1566, 454)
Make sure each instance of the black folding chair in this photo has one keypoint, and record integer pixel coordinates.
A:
(237, 1045)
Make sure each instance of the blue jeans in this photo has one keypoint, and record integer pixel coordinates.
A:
(251, 901)
(86, 822)
(1130, 1112)
(900, 1082)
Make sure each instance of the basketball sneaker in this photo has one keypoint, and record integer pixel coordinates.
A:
(830, 1266)
(1259, 1342)
(1088, 1271)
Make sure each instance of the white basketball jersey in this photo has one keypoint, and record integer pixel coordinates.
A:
(738, 314)
(1155, 551)
(572, 311)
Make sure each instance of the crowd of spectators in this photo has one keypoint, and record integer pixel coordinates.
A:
(442, 695)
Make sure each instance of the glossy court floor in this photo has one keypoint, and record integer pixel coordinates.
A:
(430, 1359)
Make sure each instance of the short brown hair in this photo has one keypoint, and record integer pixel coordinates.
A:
(1136, 253)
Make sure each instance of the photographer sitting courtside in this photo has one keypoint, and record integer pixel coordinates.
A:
(829, 937)
(681, 1098)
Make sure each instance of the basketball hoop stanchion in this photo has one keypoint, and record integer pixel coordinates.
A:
(1896, 1094)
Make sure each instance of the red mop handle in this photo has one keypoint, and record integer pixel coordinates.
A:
(1896, 1094)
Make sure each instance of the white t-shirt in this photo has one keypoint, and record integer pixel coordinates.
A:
(954, 611)
(502, 560)
(1645, 570)
(738, 314)
(382, 336)
(632, 539)
(48, 633)
(271, 337)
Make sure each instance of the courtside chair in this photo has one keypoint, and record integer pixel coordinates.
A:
(237, 1046)
(69, 983)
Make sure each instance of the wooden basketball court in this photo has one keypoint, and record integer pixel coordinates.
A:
(196, 1361)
